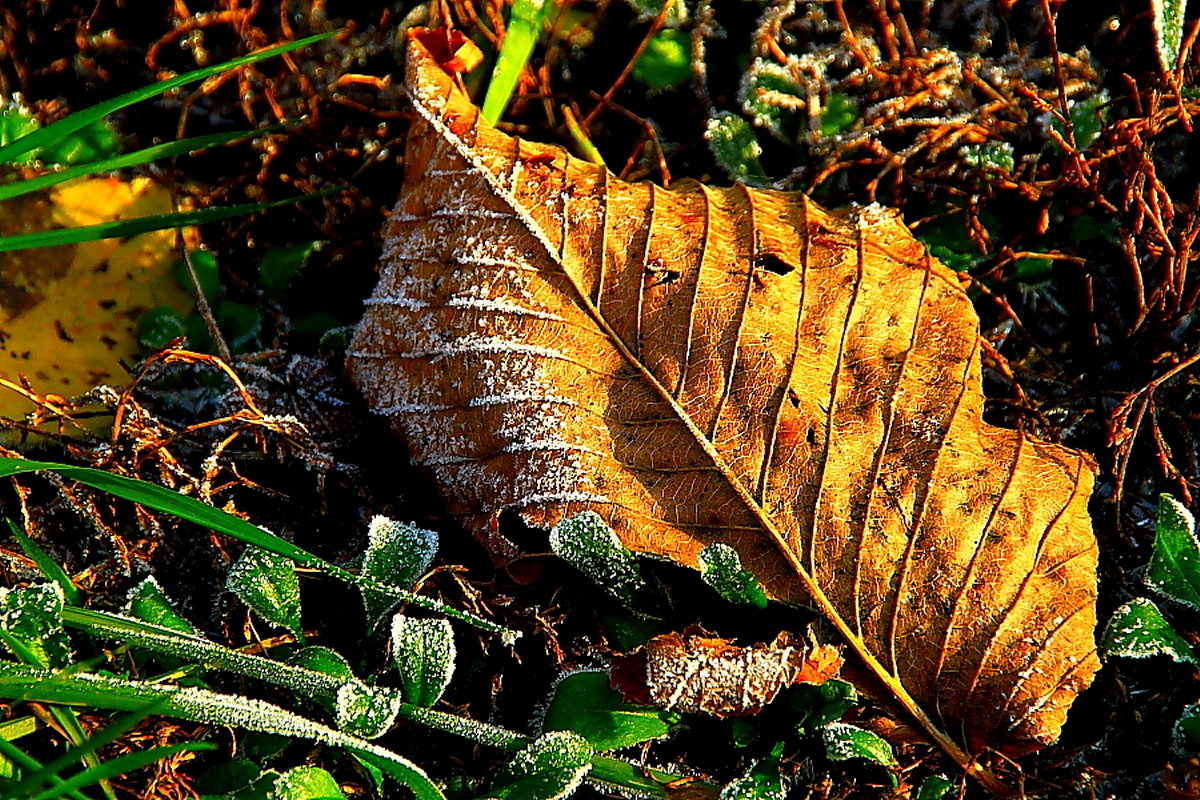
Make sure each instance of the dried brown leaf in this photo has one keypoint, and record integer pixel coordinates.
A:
(703, 365)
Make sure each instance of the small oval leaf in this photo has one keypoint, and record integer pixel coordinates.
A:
(267, 583)
(551, 767)
(586, 542)
(721, 568)
(306, 783)
(1139, 630)
(366, 711)
(584, 703)
(843, 741)
(397, 554)
(423, 650)
(1175, 563)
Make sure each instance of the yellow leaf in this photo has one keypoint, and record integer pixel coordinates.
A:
(69, 314)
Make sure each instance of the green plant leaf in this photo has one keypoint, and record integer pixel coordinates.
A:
(1175, 562)
(586, 542)
(934, 787)
(147, 602)
(306, 783)
(733, 144)
(63, 128)
(31, 625)
(267, 583)
(159, 326)
(584, 703)
(819, 704)
(550, 767)
(666, 62)
(281, 264)
(762, 781)
(423, 650)
(47, 565)
(1185, 735)
(1139, 630)
(1167, 18)
(843, 741)
(721, 568)
(397, 554)
(366, 711)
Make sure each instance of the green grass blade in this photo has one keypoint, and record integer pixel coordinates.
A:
(141, 634)
(189, 508)
(81, 119)
(131, 227)
(118, 766)
(18, 681)
(524, 29)
(136, 158)
(83, 749)
(48, 566)
(19, 757)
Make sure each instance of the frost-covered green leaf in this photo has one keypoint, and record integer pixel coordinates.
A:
(423, 650)
(1167, 17)
(149, 603)
(550, 767)
(818, 704)
(666, 62)
(584, 703)
(1175, 563)
(586, 542)
(306, 783)
(267, 583)
(772, 97)
(1138, 630)
(31, 625)
(762, 781)
(721, 568)
(733, 145)
(397, 555)
(366, 711)
(1185, 736)
(843, 741)
(934, 787)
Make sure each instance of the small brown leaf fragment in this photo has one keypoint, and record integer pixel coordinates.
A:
(452, 50)
(823, 663)
(694, 673)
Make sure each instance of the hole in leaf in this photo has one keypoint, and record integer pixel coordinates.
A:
(772, 263)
